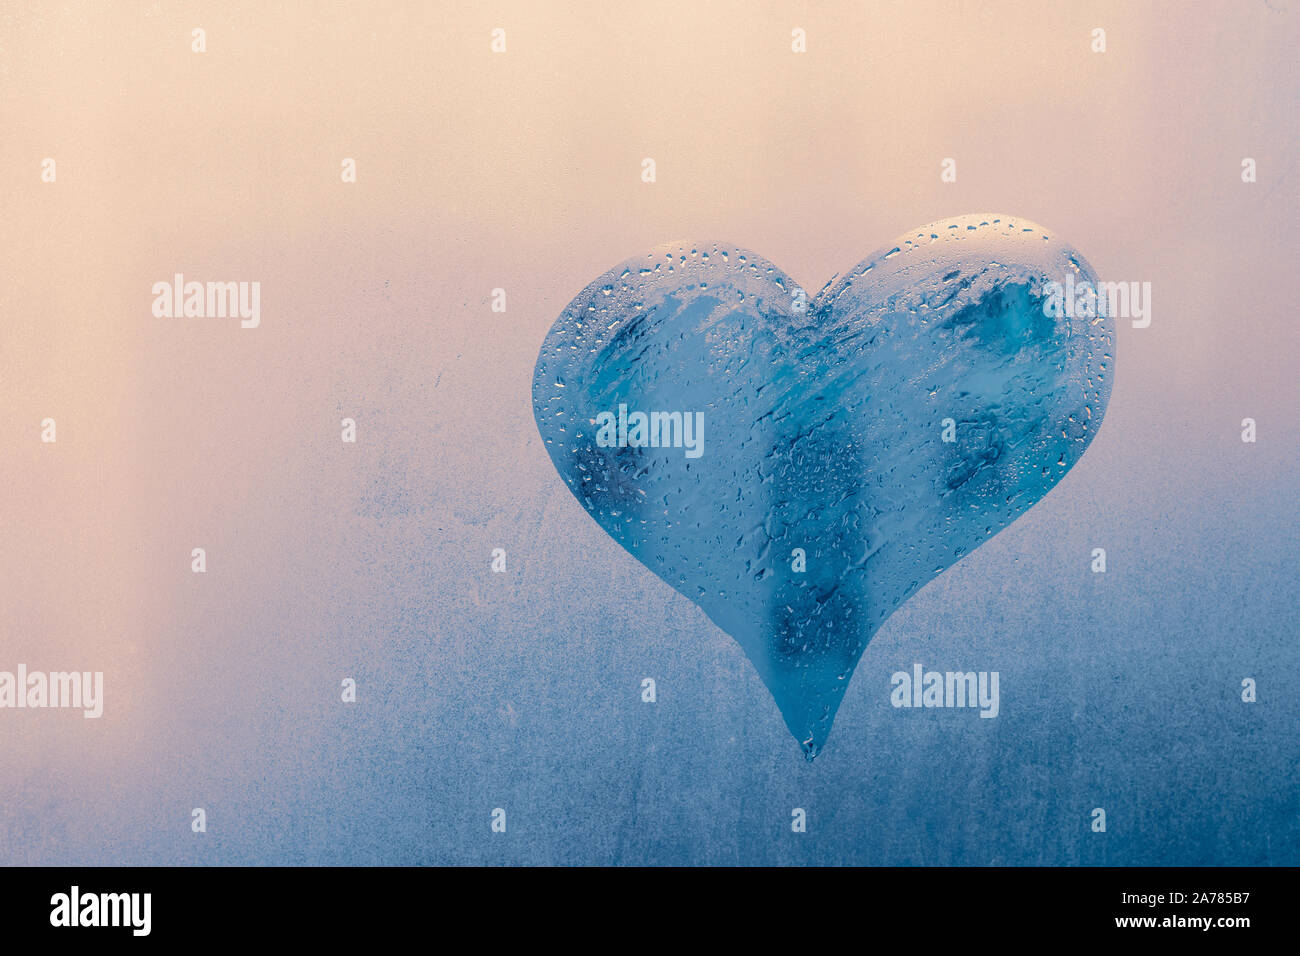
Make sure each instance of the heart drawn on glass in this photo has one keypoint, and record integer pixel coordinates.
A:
(799, 466)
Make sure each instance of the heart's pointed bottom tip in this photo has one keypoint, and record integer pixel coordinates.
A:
(808, 714)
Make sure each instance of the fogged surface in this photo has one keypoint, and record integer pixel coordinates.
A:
(522, 690)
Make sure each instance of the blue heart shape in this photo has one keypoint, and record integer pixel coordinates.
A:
(883, 429)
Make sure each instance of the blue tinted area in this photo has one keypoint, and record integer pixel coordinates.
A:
(824, 429)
